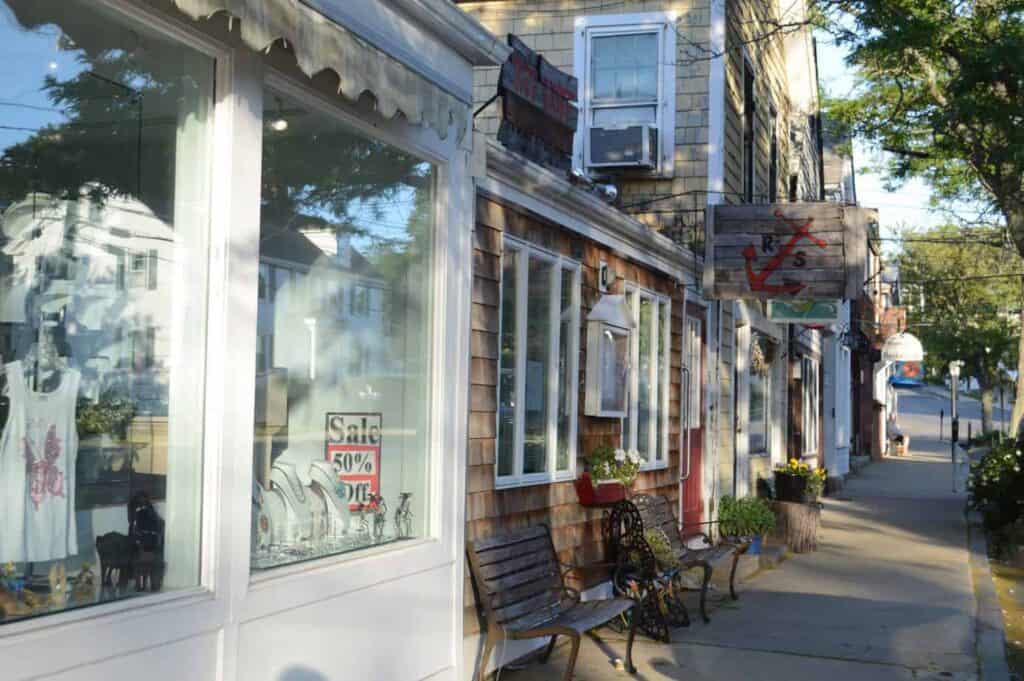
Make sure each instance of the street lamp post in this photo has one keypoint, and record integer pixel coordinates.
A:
(954, 419)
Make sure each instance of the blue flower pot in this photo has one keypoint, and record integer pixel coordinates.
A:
(755, 546)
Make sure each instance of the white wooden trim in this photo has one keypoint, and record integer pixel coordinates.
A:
(662, 23)
(630, 440)
(560, 263)
(551, 195)
(716, 105)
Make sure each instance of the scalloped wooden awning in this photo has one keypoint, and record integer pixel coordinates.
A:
(319, 44)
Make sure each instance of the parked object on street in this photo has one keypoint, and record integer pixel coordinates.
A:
(750, 517)
(798, 482)
(797, 524)
(656, 512)
(521, 588)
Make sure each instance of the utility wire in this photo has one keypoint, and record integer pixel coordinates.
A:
(976, 277)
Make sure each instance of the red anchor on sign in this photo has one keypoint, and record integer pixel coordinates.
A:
(758, 280)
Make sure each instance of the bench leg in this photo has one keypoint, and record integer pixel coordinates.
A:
(485, 658)
(732, 576)
(704, 592)
(634, 617)
(549, 648)
(572, 657)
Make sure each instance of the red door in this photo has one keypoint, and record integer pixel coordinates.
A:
(691, 501)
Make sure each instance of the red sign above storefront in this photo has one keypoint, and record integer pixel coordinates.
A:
(539, 116)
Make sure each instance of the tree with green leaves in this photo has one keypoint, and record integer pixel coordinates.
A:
(941, 89)
(958, 315)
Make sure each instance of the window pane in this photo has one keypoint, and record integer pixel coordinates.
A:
(567, 388)
(625, 67)
(644, 414)
(757, 411)
(104, 174)
(615, 346)
(507, 376)
(538, 354)
(625, 116)
(342, 415)
(662, 379)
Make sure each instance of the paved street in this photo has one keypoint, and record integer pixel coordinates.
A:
(887, 596)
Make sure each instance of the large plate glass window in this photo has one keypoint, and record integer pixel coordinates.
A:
(645, 429)
(537, 381)
(342, 376)
(105, 135)
(811, 396)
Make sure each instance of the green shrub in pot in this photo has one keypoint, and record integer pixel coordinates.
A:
(747, 517)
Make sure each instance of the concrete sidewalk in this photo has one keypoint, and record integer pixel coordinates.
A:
(888, 595)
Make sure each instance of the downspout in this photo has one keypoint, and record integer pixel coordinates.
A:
(716, 195)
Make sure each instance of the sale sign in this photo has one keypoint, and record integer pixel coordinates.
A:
(352, 444)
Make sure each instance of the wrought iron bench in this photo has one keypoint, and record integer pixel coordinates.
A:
(656, 588)
(656, 513)
(520, 586)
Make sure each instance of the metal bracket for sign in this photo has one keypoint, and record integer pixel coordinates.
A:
(486, 104)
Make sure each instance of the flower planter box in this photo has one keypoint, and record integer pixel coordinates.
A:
(792, 488)
(604, 493)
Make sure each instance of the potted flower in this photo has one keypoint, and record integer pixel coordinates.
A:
(103, 430)
(610, 473)
(798, 482)
(748, 518)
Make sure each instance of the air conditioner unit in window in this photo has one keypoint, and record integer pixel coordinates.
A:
(635, 146)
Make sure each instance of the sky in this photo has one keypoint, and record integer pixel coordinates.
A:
(909, 205)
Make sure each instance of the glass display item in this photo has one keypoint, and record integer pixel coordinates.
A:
(342, 373)
(104, 178)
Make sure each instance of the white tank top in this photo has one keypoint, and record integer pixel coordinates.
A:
(38, 451)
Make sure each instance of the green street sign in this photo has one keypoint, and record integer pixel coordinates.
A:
(805, 311)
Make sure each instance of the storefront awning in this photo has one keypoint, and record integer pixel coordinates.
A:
(321, 44)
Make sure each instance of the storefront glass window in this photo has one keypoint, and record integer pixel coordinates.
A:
(104, 176)
(342, 394)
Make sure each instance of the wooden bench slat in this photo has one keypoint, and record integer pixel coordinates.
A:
(506, 597)
(522, 562)
(522, 577)
(498, 555)
(546, 601)
(509, 538)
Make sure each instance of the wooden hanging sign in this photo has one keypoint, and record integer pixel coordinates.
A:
(808, 251)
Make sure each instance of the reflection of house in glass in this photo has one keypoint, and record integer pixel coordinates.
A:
(91, 271)
(315, 287)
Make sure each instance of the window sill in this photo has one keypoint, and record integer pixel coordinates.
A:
(533, 480)
(656, 466)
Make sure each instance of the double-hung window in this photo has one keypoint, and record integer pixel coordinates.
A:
(645, 429)
(538, 375)
(760, 397)
(811, 396)
(625, 65)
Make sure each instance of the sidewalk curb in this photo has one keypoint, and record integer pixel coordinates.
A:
(990, 636)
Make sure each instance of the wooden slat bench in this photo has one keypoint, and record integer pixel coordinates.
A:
(520, 587)
(656, 513)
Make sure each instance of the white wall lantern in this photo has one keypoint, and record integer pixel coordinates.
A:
(902, 347)
(609, 325)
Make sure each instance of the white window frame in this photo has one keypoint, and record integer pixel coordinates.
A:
(659, 384)
(527, 251)
(810, 386)
(661, 23)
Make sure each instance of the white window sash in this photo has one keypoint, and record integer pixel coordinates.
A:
(659, 23)
(658, 378)
(526, 252)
